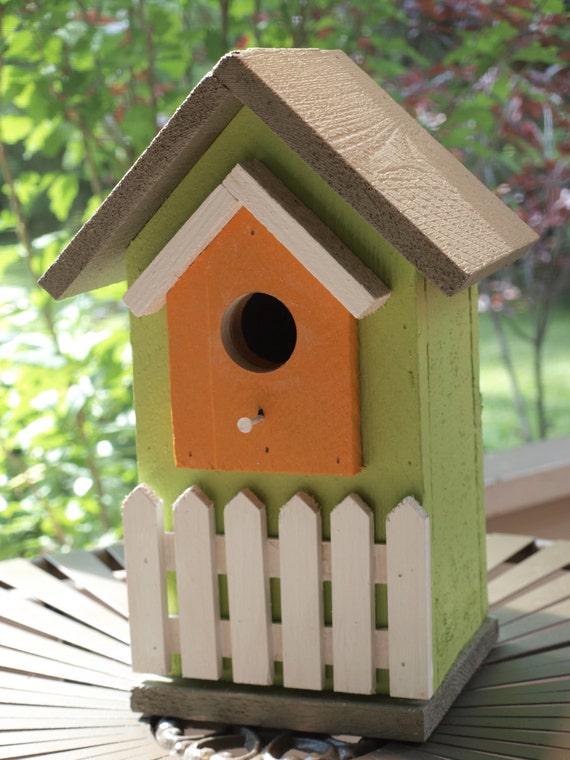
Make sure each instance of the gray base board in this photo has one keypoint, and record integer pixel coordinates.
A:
(375, 716)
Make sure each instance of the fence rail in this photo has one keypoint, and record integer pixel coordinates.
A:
(302, 561)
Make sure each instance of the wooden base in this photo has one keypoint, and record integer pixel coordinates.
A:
(317, 712)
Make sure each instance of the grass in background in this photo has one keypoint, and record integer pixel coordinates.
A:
(501, 424)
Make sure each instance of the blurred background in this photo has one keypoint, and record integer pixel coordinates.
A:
(84, 86)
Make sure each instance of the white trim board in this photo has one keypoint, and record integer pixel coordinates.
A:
(308, 239)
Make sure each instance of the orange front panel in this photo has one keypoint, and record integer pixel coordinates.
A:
(310, 403)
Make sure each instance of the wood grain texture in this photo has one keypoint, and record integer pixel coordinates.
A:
(143, 524)
(348, 130)
(197, 585)
(409, 601)
(381, 160)
(353, 597)
(302, 610)
(248, 590)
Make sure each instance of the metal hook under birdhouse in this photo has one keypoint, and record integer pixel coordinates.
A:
(245, 424)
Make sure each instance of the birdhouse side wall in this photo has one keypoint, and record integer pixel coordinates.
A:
(397, 362)
(452, 456)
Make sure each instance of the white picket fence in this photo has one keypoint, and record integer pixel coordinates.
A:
(302, 561)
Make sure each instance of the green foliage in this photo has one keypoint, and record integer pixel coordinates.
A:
(502, 424)
(84, 88)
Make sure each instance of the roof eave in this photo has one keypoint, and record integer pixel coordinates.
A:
(96, 255)
(379, 183)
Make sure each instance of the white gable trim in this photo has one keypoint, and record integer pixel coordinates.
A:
(148, 293)
(306, 237)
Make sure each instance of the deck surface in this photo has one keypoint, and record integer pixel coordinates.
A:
(65, 676)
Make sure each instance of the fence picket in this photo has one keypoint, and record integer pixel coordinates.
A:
(197, 585)
(146, 587)
(301, 593)
(352, 542)
(248, 590)
(409, 601)
(302, 560)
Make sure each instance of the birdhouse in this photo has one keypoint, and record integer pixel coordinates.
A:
(307, 550)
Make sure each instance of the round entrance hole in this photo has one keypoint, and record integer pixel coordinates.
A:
(259, 332)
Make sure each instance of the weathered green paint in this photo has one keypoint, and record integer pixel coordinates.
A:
(451, 444)
(420, 422)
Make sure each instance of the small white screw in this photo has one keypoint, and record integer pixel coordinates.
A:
(245, 424)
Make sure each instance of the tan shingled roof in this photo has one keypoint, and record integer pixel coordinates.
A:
(348, 130)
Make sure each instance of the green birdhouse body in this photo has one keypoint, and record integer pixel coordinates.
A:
(370, 214)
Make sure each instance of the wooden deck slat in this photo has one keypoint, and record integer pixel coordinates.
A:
(16, 609)
(117, 552)
(543, 639)
(397, 751)
(507, 712)
(477, 749)
(553, 718)
(11, 738)
(15, 697)
(88, 573)
(550, 617)
(548, 593)
(548, 692)
(70, 742)
(34, 684)
(24, 662)
(459, 734)
(32, 711)
(535, 568)
(137, 748)
(555, 664)
(37, 584)
(145, 752)
(466, 753)
(33, 643)
(502, 546)
(27, 722)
